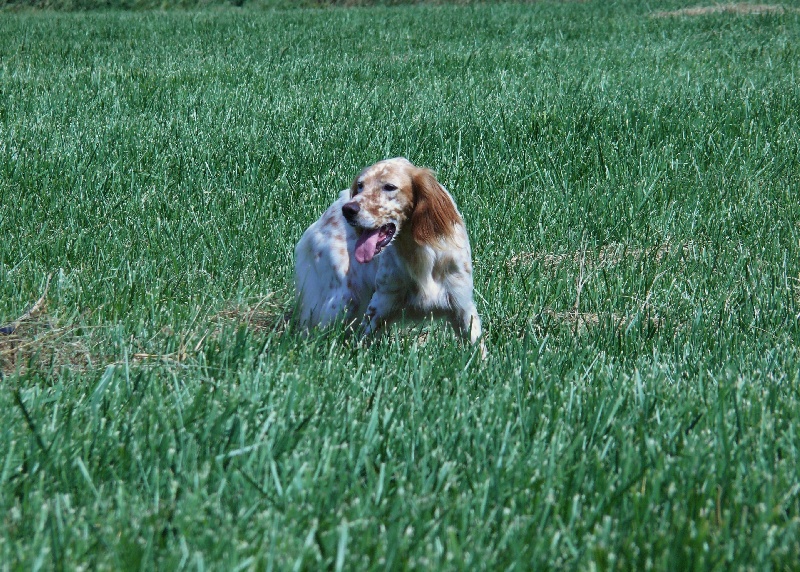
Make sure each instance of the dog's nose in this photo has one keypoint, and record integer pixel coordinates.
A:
(350, 210)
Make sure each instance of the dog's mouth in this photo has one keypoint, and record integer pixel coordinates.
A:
(372, 240)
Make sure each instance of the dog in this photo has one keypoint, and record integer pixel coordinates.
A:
(392, 246)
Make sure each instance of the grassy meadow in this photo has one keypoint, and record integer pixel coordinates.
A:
(629, 174)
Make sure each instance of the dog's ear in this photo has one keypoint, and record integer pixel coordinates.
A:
(354, 186)
(434, 214)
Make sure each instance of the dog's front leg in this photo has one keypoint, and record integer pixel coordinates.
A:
(381, 310)
(467, 324)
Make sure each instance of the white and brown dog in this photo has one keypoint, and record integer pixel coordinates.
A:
(394, 245)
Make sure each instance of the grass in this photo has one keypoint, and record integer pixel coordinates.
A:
(629, 177)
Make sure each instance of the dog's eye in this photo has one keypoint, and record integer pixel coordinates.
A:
(389, 188)
(359, 186)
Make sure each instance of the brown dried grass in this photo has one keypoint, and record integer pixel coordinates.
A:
(43, 343)
(582, 322)
(265, 314)
(37, 340)
(737, 8)
(588, 262)
(608, 255)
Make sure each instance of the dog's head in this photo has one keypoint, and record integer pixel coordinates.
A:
(393, 196)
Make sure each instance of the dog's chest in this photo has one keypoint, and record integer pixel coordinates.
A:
(412, 279)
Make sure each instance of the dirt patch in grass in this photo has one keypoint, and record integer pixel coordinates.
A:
(737, 8)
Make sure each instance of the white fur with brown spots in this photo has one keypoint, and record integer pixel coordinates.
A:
(393, 245)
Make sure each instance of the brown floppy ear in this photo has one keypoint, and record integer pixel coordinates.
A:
(434, 213)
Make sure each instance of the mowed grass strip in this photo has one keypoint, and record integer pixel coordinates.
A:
(630, 185)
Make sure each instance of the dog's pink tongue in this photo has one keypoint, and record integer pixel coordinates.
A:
(366, 245)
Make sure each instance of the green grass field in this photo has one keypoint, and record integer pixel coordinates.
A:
(630, 182)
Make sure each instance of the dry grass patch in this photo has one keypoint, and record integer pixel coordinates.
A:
(581, 322)
(608, 255)
(268, 313)
(43, 344)
(36, 339)
(737, 8)
(588, 263)
(262, 315)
